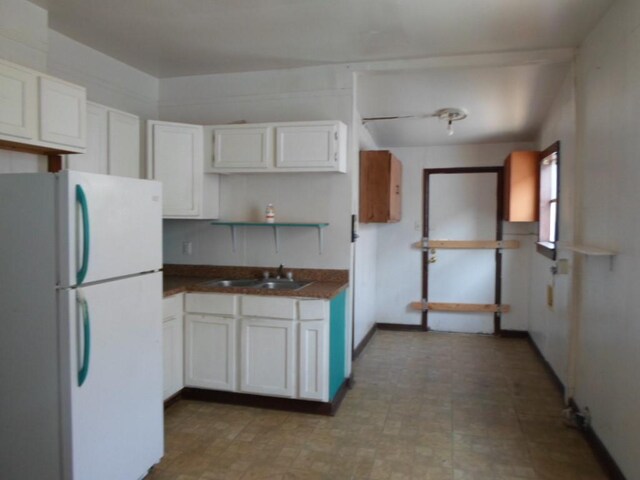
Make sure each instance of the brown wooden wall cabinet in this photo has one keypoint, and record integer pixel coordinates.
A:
(521, 187)
(380, 187)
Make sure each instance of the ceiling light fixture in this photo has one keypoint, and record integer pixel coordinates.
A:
(450, 115)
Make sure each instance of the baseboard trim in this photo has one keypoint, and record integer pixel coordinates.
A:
(364, 342)
(513, 334)
(399, 327)
(272, 403)
(602, 454)
(172, 399)
(547, 365)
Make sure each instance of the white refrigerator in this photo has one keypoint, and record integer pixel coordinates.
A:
(80, 326)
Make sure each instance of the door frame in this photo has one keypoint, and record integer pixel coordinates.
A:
(427, 172)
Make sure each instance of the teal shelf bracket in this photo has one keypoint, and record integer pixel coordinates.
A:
(275, 238)
(233, 238)
(275, 227)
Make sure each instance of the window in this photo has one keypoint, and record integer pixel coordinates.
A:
(549, 193)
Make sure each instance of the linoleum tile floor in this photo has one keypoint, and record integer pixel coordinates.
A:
(430, 406)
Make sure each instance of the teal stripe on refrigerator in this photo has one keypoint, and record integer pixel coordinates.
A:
(338, 338)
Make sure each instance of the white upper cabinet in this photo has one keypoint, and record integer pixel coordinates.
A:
(310, 147)
(123, 144)
(18, 106)
(113, 143)
(40, 111)
(241, 147)
(175, 158)
(63, 113)
(278, 147)
(95, 158)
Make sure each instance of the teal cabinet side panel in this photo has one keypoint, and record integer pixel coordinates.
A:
(337, 339)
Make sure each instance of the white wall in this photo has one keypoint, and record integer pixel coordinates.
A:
(107, 80)
(366, 251)
(550, 327)
(399, 270)
(24, 33)
(316, 93)
(608, 100)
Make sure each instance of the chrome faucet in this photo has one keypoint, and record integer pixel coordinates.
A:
(280, 273)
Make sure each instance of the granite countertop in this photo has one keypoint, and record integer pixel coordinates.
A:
(181, 278)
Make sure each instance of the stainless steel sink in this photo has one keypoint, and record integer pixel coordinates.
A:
(282, 285)
(236, 282)
(269, 284)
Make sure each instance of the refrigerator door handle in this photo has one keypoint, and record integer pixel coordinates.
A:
(81, 198)
(86, 344)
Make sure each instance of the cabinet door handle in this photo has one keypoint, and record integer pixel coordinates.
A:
(397, 189)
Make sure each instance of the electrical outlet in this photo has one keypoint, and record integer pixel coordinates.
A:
(187, 248)
(550, 296)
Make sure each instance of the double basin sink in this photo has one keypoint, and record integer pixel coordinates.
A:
(266, 284)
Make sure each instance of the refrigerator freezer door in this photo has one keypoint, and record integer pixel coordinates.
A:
(112, 378)
(110, 227)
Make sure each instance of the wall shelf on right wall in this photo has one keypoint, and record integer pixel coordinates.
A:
(589, 250)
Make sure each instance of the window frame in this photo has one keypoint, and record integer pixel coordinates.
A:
(544, 245)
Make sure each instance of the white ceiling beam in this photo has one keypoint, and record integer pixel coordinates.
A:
(501, 59)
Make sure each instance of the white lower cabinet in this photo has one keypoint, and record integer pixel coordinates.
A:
(173, 342)
(313, 366)
(210, 352)
(263, 345)
(267, 356)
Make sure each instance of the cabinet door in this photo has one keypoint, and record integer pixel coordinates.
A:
(242, 148)
(313, 368)
(63, 113)
(18, 103)
(307, 147)
(175, 159)
(521, 187)
(395, 193)
(124, 144)
(172, 355)
(95, 158)
(267, 357)
(210, 352)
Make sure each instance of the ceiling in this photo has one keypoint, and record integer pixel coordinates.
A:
(505, 104)
(168, 38)
(506, 100)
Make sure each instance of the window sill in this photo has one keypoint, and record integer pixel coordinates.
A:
(548, 249)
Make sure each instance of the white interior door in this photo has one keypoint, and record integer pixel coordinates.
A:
(123, 222)
(116, 413)
(462, 207)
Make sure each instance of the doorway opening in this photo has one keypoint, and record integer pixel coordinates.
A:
(462, 249)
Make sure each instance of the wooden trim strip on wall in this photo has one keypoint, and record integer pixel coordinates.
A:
(468, 244)
(462, 307)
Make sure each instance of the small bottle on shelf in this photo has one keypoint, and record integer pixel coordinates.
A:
(270, 214)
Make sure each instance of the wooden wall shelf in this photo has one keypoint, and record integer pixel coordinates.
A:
(467, 244)
(589, 250)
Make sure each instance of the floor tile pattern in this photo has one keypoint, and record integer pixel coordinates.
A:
(429, 406)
